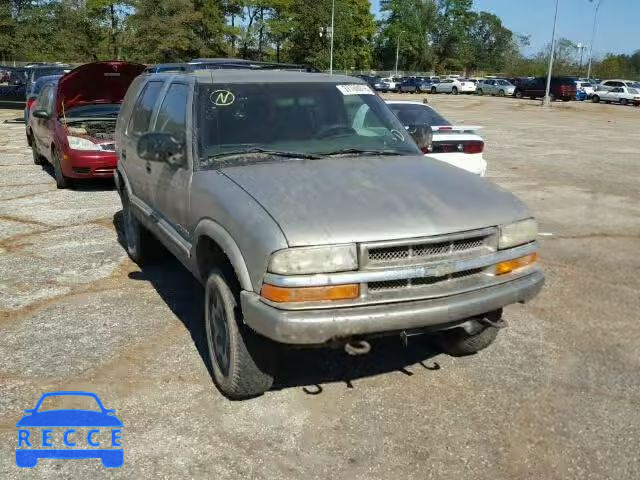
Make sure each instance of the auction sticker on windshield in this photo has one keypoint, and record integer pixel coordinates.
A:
(355, 89)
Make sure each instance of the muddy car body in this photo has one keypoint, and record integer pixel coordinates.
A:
(72, 124)
(308, 226)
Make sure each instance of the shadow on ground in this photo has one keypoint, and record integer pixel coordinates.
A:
(88, 185)
(309, 368)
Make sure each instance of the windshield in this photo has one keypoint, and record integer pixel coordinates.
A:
(67, 401)
(412, 115)
(98, 110)
(633, 91)
(303, 118)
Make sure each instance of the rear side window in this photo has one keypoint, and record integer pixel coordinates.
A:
(143, 109)
(172, 116)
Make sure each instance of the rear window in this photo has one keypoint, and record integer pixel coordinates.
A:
(412, 115)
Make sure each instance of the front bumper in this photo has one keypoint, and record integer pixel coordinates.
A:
(307, 327)
(89, 164)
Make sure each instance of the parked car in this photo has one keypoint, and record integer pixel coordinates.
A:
(622, 95)
(414, 85)
(458, 145)
(19, 76)
(306, 228)
(611, 84)
(454, 86)
(499, 87)
(36, 72)
(562, 88)
(73, 122)
(385, 85)
(31, 99)
(587, 87)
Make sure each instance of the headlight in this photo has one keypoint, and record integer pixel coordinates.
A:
(296, 261)
(79, 143)
(518, 233)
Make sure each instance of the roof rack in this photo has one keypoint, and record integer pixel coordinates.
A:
(240, 63)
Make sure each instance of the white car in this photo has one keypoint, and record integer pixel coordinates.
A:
(385, 85)
(454, 86)
(622, 95)
(588, 87)
(611, 84)
(458, 145)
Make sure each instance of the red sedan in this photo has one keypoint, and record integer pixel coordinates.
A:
(73, 123)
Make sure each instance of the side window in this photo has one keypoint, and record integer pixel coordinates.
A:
(144, 108)
(41, 102)
(172, 116)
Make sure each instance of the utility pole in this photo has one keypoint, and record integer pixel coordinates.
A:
(593, 35)
(398, 52)
(547, 99)
(333, 17)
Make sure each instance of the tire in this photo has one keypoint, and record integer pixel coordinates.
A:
(624, 101)
(458, 343)
(142, 247)
(434, 90)
(595, 99)
(501, 93)
(242, 362)
(552, 97)
(37, 158)
(479, 91)
(518, 94)
(62, 182)
(454, 90)
(607, 102)
(29, 139)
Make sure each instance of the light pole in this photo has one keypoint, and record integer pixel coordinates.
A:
(333, 17)
(398, 52)
(593, 35)
(547, 99)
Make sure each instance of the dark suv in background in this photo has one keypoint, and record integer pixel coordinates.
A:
(562, 88)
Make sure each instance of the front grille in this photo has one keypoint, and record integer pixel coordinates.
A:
(81, 170)
(416, 283)
(420, 252)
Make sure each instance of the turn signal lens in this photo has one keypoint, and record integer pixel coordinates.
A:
(310, 294)
(512, 265)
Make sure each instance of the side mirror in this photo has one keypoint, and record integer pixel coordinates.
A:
(43, 114)
(423, 136)
(161, 147)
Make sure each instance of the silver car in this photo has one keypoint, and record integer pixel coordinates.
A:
(311, 217)
(499, 87)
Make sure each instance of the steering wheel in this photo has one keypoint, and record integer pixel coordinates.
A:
(334, 130)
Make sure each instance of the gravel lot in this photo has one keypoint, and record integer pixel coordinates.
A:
(557, 397)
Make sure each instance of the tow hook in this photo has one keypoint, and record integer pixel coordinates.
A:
(357, 347)
(499, 323)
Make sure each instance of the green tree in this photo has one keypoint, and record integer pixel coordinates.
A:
(410, 24)
(451, 44)
(491, 43)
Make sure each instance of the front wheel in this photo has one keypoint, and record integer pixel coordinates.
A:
(518, 94)
(595, 99)
(624, 101)
(457, 342)
(454, 90)
(501, 93)
(61, 181)
(243, 362)
(434, 90)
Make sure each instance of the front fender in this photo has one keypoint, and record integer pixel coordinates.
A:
(217, 233)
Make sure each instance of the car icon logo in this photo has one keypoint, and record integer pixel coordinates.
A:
(69, 433)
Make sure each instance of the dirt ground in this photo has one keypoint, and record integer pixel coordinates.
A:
(557, 396)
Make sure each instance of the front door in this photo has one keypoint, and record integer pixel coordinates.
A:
(169, 184)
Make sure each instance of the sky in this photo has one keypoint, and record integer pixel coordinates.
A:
(618, 22)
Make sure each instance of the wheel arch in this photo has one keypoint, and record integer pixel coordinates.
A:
(213, 245)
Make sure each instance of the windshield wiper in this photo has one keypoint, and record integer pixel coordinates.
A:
(264, 151)
(360, 151)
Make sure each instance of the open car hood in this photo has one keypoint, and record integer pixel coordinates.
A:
(99, 82)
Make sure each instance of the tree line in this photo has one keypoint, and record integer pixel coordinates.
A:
(426, 35)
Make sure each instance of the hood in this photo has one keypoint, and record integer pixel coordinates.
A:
(99, 82)
(342, 200)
